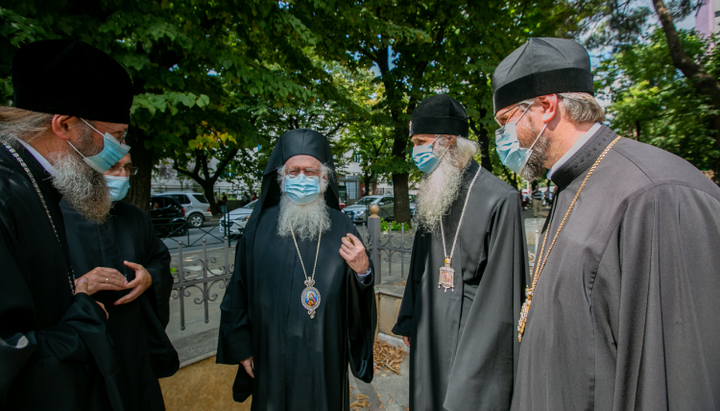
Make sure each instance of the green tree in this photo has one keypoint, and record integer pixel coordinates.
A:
(655, 103)
(422, 48)
(190, 62)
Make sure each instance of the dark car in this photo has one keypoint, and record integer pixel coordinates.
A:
(168, 216)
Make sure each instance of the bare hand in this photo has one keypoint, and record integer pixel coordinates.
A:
(352, 250)
(249, 366)
(142, 282)
(406, 340)
(81, 286)
(103, 278)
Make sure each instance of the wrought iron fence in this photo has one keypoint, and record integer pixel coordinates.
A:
(393, 248)
(202, 279)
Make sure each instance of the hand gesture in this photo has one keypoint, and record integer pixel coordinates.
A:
(142, 282)
(103, 278)
(352, 251)
(249, 366)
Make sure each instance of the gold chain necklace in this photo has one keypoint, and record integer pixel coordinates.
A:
(539, 267)
(310, 297)
(447, 273)
(70, 273)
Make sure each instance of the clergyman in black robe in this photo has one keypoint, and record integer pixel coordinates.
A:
(463, 349)
(55, 352)
(136, 327)
(294, 352)
(623, 313)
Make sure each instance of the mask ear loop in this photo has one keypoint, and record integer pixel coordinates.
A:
(444, 152)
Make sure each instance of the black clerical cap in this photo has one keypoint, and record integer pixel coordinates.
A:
(542, 66)
(73, 78)
(439, 114)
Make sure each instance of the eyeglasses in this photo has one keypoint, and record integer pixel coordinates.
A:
(502, 118)
(117, 169)
(308, 171)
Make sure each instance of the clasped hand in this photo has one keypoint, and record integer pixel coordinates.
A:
(104, 278)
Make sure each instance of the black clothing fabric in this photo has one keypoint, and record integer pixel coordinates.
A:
(300, 362)
(66, 77)
(54, 348)
(137, 328)
(543, 65)
(623, 314)
(439, 114)
(463, 345)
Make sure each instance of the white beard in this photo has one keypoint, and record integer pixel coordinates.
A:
(439, 189)
(81, 186)
(308, 220)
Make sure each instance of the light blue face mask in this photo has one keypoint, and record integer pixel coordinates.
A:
(112, 152)
(302, 190)
(118, 186)
(508, 147)
(425, 159)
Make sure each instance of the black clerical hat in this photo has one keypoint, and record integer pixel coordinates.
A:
(542, 66)
(439, 114)
(73, 78)
(295, 142)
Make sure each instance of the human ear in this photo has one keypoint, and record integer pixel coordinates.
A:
(61, 125)
(549, 105)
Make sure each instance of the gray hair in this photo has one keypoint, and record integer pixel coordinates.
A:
(579, 107)
(19, 124)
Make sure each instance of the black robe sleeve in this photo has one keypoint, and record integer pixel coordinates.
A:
(361, 321)
(667, 333)
(404, 323)
(235, 340)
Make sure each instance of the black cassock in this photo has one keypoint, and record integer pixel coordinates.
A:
(137, 328)
(300, 363)
(463, 348)
(55, 353)
(625, 312)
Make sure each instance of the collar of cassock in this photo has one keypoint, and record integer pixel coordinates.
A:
(584, 158)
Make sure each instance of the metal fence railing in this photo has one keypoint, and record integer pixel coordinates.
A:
(199, 276)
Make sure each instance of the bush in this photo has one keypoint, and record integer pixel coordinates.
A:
(392, 226)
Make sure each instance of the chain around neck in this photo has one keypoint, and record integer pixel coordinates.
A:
(42, 200)
(317, 253)
(462, 216)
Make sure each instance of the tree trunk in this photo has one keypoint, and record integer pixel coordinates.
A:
(143, 159)
(484, 141)
(704, 83)
(402, 197)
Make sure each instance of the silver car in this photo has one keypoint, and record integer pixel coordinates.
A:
(237, 219)
(358, 211)
(197, 207)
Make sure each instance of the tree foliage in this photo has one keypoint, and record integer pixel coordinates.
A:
(655, 103)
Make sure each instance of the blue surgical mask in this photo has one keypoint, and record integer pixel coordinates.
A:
(302, 190)
(425, 159)
(118, 186)
(112, 152)
(508, 147)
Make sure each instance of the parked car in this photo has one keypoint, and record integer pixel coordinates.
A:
(412, 205)
(237, 219)
(167, 216)
(358, 211)
(197, 207)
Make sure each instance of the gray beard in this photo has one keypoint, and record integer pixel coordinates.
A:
(307, 220)
(534, 167)
(81, 186)
(438, 190)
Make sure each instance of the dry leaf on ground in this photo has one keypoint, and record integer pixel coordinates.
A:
(387, 356)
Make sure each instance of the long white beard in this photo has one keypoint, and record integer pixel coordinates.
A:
(81, 186)
(439, 189)
(307, 220)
